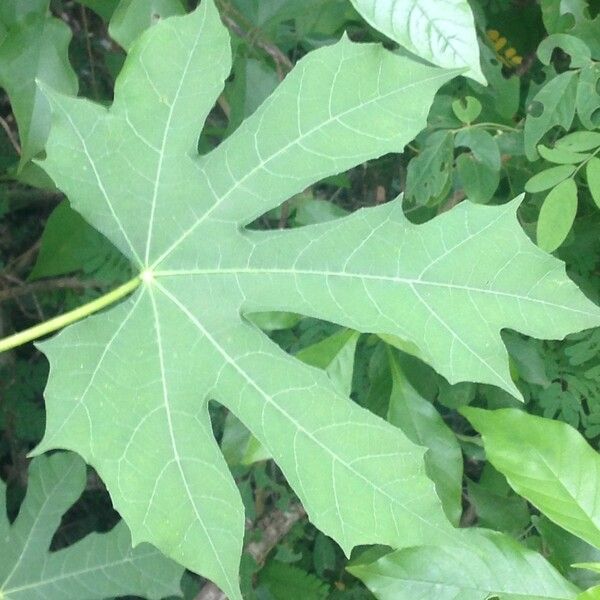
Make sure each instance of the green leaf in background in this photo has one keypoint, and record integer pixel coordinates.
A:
(96, 567)
(131, 17)
(579, 141)
(577, 50)
(422, 424)
(104, 8)
(69, 244)
(429, 173)
(440, 31)
(496, 504)
(573, 17)
(557, 215)
(553, 105)
(548, 462)
(591, 594)
(467, 109)
(588, 96)
(480, 565)
(290, 582)
(592, 172)
(564, 550)
(548, 178)
(561, 156)
(479, 171)
(34, 48)
(129, 387)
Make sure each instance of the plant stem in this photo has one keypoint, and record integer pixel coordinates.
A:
(28, 335)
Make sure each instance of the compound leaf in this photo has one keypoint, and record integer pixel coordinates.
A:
(128, 389)
(99, 566)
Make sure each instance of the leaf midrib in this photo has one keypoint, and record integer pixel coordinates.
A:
(364, 276)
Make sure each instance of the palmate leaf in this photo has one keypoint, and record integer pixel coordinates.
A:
(128, 389)
(98, 566)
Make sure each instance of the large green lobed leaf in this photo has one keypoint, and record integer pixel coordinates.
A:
(128, 389)
(98, 566)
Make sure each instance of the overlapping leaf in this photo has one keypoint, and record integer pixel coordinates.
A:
(34, 47)
(99, 566)
(440, 31)
(128, 388)
(547, 462)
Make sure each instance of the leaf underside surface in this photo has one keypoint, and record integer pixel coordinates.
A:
(98, 566)
(128, 389)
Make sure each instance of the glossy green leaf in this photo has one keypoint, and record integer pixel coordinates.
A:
(131, 17)
(467, 109)
(548, 462)
(557, 215)
(422, 423)
(579, 141)
(553, 105)
(440, 31)
(96, 567)
(128, 388)
(561, 156)
(549, 178)
(592, 172)
(34, 48)
(479, 565)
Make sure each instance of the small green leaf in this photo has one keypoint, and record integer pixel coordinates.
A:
(549, 178)
(440, 31)
(467, 109)
(557, 215)
(547, 462)
(429, 173)
(479, 181)
(578, 51)
(553, 105)
(592, 171)
(481, 564)
(96, 567)
(134, 16)
(579, 141)
(561, 156)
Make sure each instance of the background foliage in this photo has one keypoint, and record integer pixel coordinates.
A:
(533, 128)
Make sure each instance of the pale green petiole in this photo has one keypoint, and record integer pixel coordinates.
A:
(33, 333)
